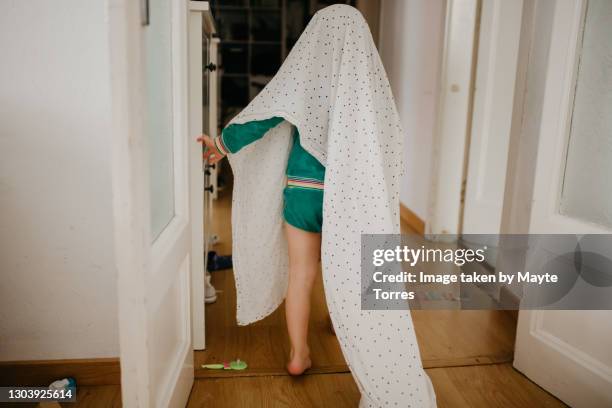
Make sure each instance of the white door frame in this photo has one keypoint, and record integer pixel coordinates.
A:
(153, 279)
(200, 23)
(496, 72)
(196, 176)
(454, 118)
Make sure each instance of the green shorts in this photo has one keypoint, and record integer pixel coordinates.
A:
(303, 208)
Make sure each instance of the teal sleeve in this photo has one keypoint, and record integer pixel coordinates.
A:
(236, 136)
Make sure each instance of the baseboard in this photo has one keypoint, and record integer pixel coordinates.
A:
(96, 371)
(413, 220)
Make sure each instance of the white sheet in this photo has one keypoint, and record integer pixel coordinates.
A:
(333, 87)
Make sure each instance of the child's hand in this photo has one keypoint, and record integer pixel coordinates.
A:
(211, 154)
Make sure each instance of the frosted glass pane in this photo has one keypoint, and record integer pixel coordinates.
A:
(158, 48)
(587, 184)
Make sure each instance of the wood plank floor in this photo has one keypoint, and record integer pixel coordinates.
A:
(479, 386)
(97, 396)
(446, 337)
(467, 355)
(474, 386)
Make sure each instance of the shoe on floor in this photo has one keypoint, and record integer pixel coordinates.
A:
(218, 262)
(210, 293)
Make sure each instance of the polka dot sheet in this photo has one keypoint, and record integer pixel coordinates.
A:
(334, 89)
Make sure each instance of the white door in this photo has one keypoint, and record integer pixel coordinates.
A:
(569, 353)
(500, 24)
(151, 200)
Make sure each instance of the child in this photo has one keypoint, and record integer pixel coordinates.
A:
(327, 115)
(303, 214)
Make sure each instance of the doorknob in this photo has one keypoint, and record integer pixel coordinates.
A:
(209, 188)
(210, 66)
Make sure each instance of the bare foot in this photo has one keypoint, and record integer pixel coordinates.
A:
(298, 363)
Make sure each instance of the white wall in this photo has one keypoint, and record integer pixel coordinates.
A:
(58, 296)
(411, 40)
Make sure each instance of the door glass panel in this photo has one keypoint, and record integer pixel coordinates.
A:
(587, 183)
(159, 124)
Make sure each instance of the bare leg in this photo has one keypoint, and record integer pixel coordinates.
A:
(304, 254)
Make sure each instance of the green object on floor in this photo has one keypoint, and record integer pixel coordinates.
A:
(213, 366)
(238, 365)
(232, 365)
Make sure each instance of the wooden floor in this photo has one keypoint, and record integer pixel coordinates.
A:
(486, 386)
(467, 355)
(446, 337)
(99, 396)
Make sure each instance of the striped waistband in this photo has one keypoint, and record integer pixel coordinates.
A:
(304, 182)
